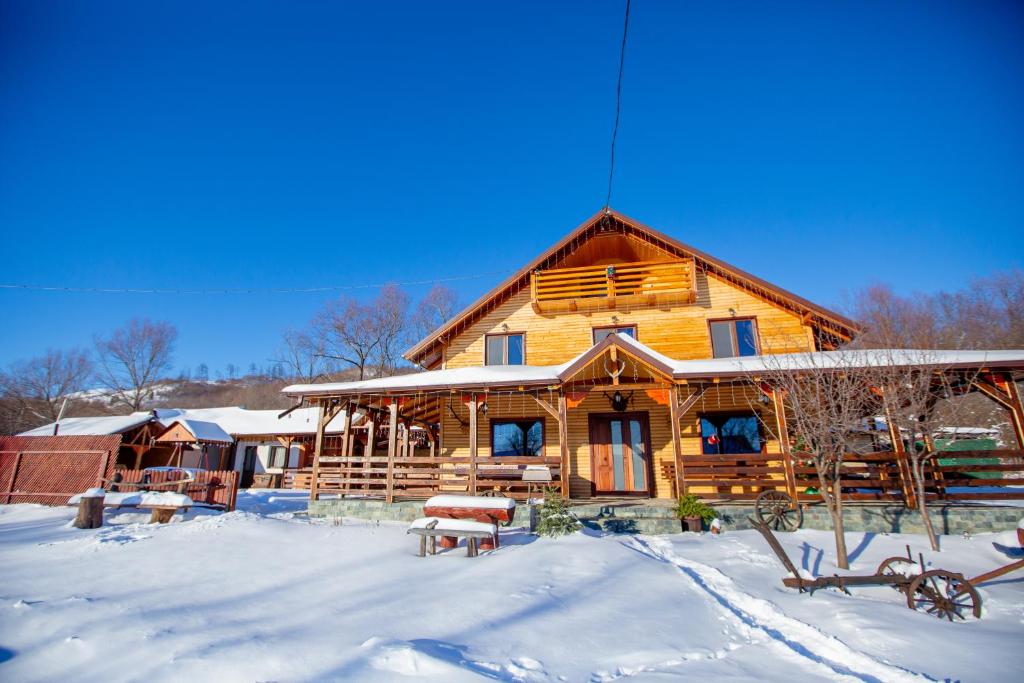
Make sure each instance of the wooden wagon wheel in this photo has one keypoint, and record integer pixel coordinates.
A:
(944, 594)
(779, 511)
(894, 566)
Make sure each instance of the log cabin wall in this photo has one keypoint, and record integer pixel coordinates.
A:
(680, 332)
(723, 398)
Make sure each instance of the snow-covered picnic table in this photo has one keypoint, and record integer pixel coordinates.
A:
(485, 509)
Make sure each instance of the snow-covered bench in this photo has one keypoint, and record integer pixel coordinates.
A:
(432, 527)
(162, 504)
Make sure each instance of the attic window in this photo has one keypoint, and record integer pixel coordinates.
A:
(600, 333)
(505, 349)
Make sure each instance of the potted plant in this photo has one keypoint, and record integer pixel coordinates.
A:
(693, 512)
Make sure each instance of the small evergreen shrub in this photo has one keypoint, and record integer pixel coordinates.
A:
(555, 519)
(690, 506)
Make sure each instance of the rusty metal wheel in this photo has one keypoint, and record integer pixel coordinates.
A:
(778, 511)
(895, 566)
(944, 594)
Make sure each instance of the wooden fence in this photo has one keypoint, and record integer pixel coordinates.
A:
(420, 477)
(211, 487)
(51, 469)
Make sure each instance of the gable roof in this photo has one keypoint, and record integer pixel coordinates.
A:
(205, 432)
(613, 220)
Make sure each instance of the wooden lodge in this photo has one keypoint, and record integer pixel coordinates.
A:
(613, 358)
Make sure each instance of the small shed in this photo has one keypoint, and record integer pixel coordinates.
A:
(196, 443)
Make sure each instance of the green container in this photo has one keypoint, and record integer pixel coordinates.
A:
(952, 446)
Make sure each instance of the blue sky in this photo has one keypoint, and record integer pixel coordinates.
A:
(822, 146)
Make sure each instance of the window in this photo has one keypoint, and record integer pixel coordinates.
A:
(730, 434)
(505, 349)
(736, 337)
(517, 437)
(602, 332)
(278, 456)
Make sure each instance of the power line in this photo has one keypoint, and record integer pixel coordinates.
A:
(239, 290)
(618, 106)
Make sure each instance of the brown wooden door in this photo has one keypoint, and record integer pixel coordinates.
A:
(620, 453)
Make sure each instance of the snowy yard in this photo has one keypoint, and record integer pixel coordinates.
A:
(263, 594)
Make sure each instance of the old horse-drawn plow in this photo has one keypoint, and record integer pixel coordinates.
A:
(940, 592)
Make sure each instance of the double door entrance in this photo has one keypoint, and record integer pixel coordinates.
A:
(620, 451)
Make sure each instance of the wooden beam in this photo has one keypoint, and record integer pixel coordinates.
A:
(563, 445)
(346, 430)
(690, 401)
(473, 409)
(782, 430)
(553, 412)
(325, 417)
(1001, 388)
(677, 439)
(898, 447)
(392, 450)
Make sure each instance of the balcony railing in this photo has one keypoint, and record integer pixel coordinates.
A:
(649, 283)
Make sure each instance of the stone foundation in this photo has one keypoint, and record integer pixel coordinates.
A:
(655, 517)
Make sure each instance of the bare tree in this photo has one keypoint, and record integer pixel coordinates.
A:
(920, 397)
(826, 399)
(436, 308)
(347, 331)
(303, 356)
(391, 320)
(133, 359)
(35, 389)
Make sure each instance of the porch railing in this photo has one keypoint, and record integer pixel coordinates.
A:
(880, 476)
(652, 283)
(420, 477)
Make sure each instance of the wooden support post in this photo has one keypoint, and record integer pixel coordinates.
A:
(389, 494)
(782, 427)
(473, 409)
(406, 426)
(563, 445)
(318, 448)
(677, 439)
(346, 430)
(906, 475)
(1016, 409)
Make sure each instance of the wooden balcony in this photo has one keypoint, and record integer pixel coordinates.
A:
(628, 285)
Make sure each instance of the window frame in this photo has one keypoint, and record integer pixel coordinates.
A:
(506, 335)
(270, 457)
(735, 338)
(726, 414)
(596, 328)
(515, 420)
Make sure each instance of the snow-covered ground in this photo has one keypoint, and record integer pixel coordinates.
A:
(264, 594)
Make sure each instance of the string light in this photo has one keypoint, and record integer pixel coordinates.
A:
(253, 290)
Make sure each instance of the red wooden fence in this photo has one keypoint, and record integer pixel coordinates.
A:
(212, 487)
(50, 469)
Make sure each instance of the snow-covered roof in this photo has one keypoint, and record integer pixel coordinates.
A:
(240, 421)
(233, 420)
(203, 431)
(92, 426)
(532, 375)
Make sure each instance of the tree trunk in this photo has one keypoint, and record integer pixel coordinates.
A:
(90, 513)
(917, 470)
(833, 502)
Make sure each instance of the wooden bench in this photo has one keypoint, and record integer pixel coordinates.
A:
(162, 505)
(433, 527)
